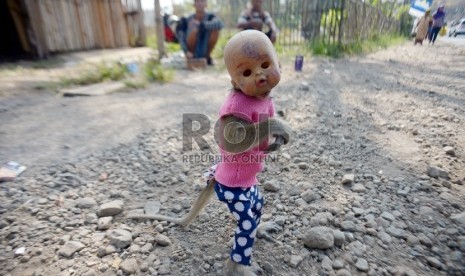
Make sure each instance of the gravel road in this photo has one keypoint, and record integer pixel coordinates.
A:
(371, 184)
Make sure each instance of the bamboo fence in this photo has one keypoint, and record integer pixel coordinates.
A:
(53, 26)
(328, 21)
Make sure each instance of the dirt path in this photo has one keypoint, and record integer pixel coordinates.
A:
(392, 120)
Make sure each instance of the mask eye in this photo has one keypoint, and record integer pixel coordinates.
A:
(265, 64)
(247, 73)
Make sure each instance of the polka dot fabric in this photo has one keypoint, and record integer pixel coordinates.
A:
(245, 205)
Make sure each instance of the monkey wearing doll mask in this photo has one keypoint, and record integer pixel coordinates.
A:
(246, 125)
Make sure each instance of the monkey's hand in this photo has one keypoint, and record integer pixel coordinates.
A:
(276, 144)
(281, 131)
(236, 135)
(265, 228)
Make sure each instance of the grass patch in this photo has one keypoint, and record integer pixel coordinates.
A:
(154, 71)
(146, 73)
(375, 43)
(98, 73)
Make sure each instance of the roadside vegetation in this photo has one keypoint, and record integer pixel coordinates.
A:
(133, 75)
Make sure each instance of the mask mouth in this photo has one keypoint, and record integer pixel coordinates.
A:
(261, 83)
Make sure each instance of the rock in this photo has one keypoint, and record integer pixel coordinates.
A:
(348, 178)
(281, 220)
(437, 172)
(339, 238)
(425, 240)
(458, 218)
(449, 150)
(111, 208)
(129, 266)
(70, 248)
(358, 188)
(385, 237)
(318, 237)
(271, 186)
(295, 260)
(343, 272)
(338, 263)
(388, 216)
(104, 223)
(86, 202)
(310, 196)
(162, 240)
(348, 225)
(362, 265)
(120, 238)
(397, 232)
(432, 261)
(405, 271)
(327, 264)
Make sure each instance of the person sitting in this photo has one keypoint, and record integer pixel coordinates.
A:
(198, 33)
(255, 18)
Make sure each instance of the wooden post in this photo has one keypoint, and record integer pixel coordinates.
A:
(159, 30)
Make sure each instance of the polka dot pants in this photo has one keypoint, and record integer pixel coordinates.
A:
(245, 204)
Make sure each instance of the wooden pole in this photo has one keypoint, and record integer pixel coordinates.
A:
(159, 30)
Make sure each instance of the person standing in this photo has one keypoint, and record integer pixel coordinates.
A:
(439, 19)
(255, 18)
(422, 28)
(198, 33)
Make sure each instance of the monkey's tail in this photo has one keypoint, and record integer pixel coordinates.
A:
(199, 204)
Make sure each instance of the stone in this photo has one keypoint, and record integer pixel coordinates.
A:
(129, 266)
(348, 225)
(458, 218)
(397, 232)
(295, 260)
(86, 202)
(111, 208)
(388, 216)
(358, 188)
(271, 186)
(120, 238)
(162, 240)
(343, 272)
(327, 264)
(449, 150)
(319, 237)
(362, 265)
(348, 178)
(405, 271)
(104, 223)
(69, 248)
(437, 172)
(432, 261)
(339, 238)
(310, 196)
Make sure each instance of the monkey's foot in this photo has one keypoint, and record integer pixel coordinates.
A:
(265, 229)
(235, 269)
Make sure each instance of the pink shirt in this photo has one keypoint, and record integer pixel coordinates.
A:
(241, 169)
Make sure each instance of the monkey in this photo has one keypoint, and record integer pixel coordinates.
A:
(245, 128)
